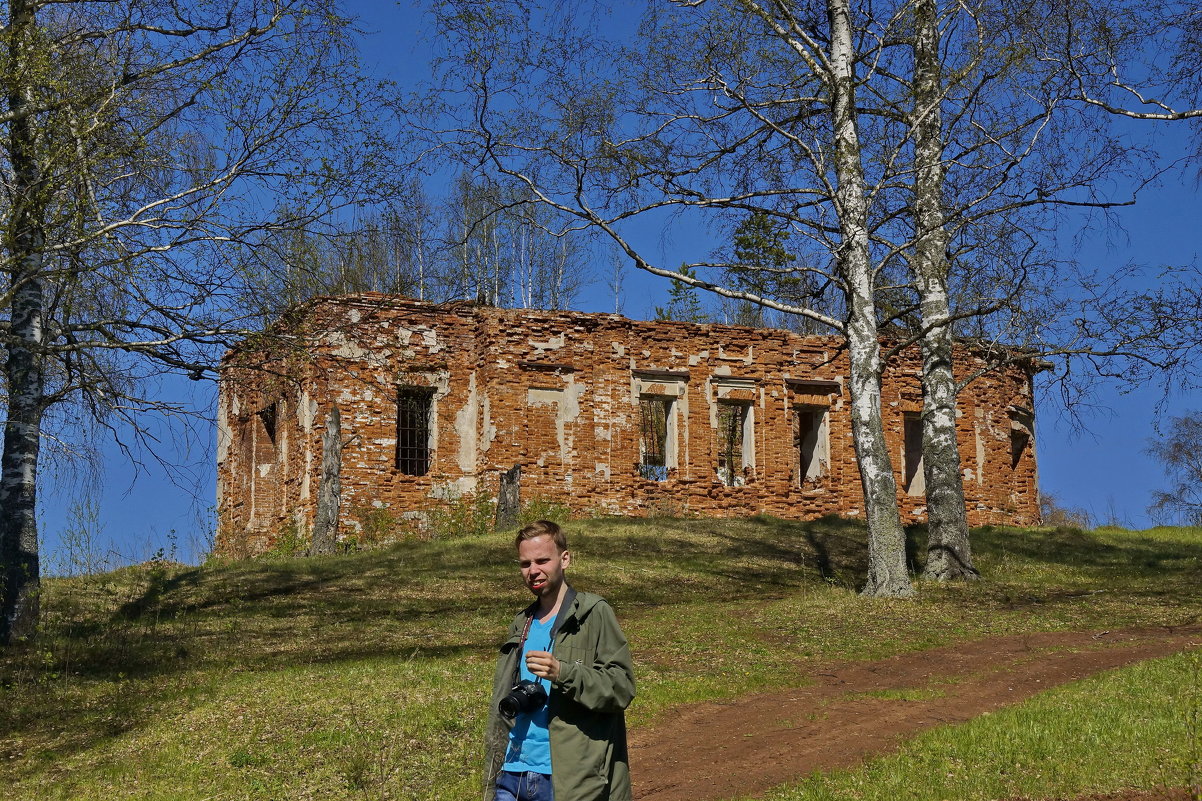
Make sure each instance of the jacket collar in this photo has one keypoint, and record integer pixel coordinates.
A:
(566, 610)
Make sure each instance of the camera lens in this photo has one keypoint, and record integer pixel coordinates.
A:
(526, 696)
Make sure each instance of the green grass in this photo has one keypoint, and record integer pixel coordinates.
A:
(1123, 728)
(365, 675)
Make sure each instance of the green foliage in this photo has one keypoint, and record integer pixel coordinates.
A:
(762, 259)
(461, 514)
(290, 540)
(683, 301)
(377, 525)
(761, 243)
(667, 506)
(543, 509)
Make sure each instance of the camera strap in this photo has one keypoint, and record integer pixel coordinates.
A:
(517, 664)
(525, 634)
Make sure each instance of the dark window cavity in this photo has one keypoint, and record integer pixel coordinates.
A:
(1021, 424)
(809, 442)
(654, 414)
(265, 450)
(268, 417)
(913, 482)
(732, 425)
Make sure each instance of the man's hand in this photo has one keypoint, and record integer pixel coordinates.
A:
(543, 665)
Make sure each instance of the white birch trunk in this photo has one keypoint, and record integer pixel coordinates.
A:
(19, 565)
(949, 555)
(887, 572)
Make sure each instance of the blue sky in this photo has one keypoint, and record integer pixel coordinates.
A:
(1102, 469)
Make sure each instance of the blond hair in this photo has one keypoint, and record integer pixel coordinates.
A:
(542, 528)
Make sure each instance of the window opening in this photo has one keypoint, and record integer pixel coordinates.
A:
(268, 416)
(653, 440)
(913, 483)
(732, 425)
(413, 430)
(1020, 436)
(264, 435)
(809, 442)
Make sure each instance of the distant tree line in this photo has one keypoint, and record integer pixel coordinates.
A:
(482, 242)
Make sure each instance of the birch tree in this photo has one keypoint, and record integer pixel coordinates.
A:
(703, 97)
(1141, 61)
(149, 144)
(999, 145)
(1179, 451)
(504, 249)
(397, 249)
(914, 151)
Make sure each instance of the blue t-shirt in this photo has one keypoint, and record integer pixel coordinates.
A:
(529, 740)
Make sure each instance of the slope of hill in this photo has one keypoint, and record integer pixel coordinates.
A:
(365, 675)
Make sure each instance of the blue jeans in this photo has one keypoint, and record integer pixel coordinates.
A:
(524, 787)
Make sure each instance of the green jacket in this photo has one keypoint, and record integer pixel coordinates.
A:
(587, 721)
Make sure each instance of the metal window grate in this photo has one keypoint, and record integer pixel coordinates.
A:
(653, 448)
(413, 430)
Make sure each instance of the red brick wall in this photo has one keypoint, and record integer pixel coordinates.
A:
(557, 392)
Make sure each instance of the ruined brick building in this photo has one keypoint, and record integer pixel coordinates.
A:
(603, 413)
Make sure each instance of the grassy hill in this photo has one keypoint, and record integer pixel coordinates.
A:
(366, 675)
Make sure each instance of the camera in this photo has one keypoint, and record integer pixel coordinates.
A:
(526, 696)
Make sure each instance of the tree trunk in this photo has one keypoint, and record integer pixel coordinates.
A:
(888, 575)
(887, 572)
(19, 469)
(949, 555)
(509, 499)
(23, 369)
(329, 488)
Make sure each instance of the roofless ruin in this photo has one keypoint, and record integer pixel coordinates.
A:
(369, 411)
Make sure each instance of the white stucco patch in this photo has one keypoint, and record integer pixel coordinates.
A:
(466, 420)
(488, 431)
(451, 490)
(554, 343)
(426, 335)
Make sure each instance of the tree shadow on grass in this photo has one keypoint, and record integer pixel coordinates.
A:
(161, 637)
(1072, 547)
(733, 559)
(451, 596)
(443, 598)
(150, 635)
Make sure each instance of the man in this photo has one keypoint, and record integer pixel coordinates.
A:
(570, 746)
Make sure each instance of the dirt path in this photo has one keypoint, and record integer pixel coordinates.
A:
(833, 723)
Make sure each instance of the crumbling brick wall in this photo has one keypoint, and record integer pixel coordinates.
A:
(560, 393)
